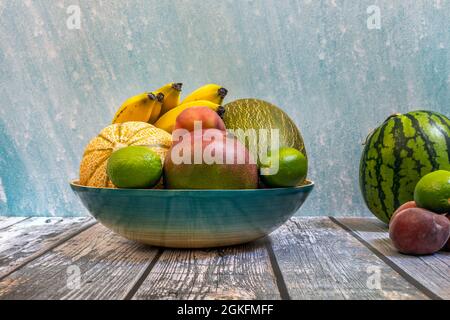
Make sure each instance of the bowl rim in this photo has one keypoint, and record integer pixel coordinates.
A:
(309, 184)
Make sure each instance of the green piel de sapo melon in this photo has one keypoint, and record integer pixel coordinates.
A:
(258, 114)
(397, 154)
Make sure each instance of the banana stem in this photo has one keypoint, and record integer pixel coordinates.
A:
(177, 86)
(221, 111)
(222, 92)
(160, 97)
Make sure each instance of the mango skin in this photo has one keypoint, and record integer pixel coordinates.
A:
(210, 176)
(418, 231)
(208, 118)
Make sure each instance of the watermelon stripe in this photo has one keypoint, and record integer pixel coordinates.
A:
(368, 175)
(379, 162)
(399, 146)
(444, 121)
(363, 168)
(427, 142)
(445, 124)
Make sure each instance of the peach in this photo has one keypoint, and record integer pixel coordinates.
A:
(418, 231)
(407, 205)
(447, 245)
(208, 118)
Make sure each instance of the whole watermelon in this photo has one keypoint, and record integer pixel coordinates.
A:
(397, 154)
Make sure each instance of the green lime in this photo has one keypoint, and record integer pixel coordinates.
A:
(433, 192)
(286, 167)
(134, 167)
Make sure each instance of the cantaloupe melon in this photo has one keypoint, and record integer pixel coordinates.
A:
(114, 137)
(258, 114)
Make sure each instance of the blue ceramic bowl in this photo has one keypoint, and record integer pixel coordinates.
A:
(192, 218)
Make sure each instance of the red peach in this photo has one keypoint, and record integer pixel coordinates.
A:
(447, 245)
(418, 231)
(407, 205)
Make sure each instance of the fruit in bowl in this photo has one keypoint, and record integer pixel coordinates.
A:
(289, 168)
(243, 115)
(210, 177)
(134, 167)
(210, 96)
(209, 159)
(114, 137)
(203, 117)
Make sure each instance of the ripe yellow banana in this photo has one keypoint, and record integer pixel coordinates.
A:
(137, 108)
(209, 92)
(156, 111)
(171, 92)
(167, 121)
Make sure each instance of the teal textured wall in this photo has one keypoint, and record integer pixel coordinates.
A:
(318, 60)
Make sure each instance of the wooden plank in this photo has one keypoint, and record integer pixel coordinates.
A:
(24, 241)
(432, 272)
(109, 267)
(6, 222)
(240, 272)
(320, 260)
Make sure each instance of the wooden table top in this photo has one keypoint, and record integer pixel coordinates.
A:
(307, 258)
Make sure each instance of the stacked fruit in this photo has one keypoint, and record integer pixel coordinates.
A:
(421, 226)
(405, 179)
(157, 141)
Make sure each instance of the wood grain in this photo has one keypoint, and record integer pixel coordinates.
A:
(109, 267)
(240, 272)
(432, 272)
(320, 260)
(5, 222)
(23, 241)
(311, 258)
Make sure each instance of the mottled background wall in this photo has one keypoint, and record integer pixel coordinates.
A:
(316, 59)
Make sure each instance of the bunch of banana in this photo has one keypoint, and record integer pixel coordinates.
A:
(139, 108)
(148, 107)
(209, 92)
(156, 111)
(171, 92)
(162, 107)
(210, 95)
